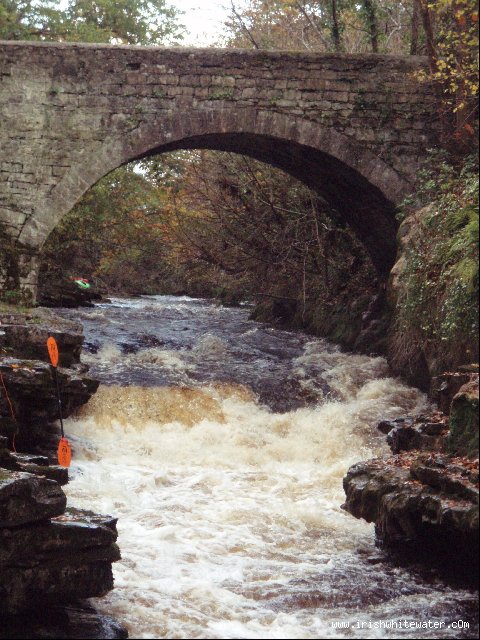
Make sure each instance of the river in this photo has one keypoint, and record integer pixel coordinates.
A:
(220, 444)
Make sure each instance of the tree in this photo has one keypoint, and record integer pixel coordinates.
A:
(451, 28)
(29, 20)
(119, 21)
(325, 25)
(372, 24)
(116, 233)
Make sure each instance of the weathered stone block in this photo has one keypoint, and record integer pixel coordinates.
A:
(25, 498)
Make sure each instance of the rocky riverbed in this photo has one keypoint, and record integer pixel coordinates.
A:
(51, 556)
(423, 498)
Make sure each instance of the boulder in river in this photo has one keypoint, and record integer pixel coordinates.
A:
(425, 504)
(60, 292)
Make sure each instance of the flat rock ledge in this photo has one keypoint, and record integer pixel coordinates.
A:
(423, 504)
(24, 335)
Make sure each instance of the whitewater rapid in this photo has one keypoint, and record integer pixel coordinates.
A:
(229, 504)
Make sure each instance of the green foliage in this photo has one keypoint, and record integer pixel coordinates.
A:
(111, 21)
(463, 437)
(354, 26)
(29, 19)
(113, 234)
(439, 286)
(452, 47)
(219, 225)
(221, 94)
(457, 49)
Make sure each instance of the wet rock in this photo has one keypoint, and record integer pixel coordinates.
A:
(432, 428)
(29, 458)
(58, 292)
(48, 560)
(73, 533)
(63, 623)
(449, 478)
(91, 347)
(147, 340)
(53, 472)
(425, 433)
(446, 386)
(143, 341)
(48, 556)
(427, 504)
(25, 498)
(464, 423)
(25, 336)
(32, 392)
(31, 463)
(385, 426)
(409, 438)
(8, 426)
(129, 348)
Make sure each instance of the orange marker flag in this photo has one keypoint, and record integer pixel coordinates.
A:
(53, 351)
(64, 453)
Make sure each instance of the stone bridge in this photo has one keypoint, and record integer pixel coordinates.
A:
(354, 128)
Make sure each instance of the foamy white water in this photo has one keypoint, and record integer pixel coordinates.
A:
(230, 523)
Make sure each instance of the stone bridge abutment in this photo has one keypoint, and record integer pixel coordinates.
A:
(354, 128)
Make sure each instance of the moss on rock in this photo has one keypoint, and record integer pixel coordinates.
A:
(464, 424)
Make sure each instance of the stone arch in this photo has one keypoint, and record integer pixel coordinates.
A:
(358, 184)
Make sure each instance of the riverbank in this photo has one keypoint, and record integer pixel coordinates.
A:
(424, 498)
(51, 557)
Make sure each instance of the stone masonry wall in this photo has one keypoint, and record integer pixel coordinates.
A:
(71, 113)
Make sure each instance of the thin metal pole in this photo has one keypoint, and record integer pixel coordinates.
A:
(59, 400)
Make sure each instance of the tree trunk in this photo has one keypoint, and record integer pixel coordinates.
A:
(415, 28)
(372, 24)
(428, 28)
(244, 26)
(335, 27)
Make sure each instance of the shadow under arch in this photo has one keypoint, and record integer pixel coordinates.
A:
(359, 185)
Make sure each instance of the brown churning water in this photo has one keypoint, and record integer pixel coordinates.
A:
(229, 512)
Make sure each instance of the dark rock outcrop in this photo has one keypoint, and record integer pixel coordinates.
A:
(32, 393)
(25, 498)
(24, 335)
(463, 438)
(31, 463)
(423, 500)
(59, 622)
(446, 386)
(427, 505)
(28, 397)
(424, 433)
(58, 292)
(50, 555)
